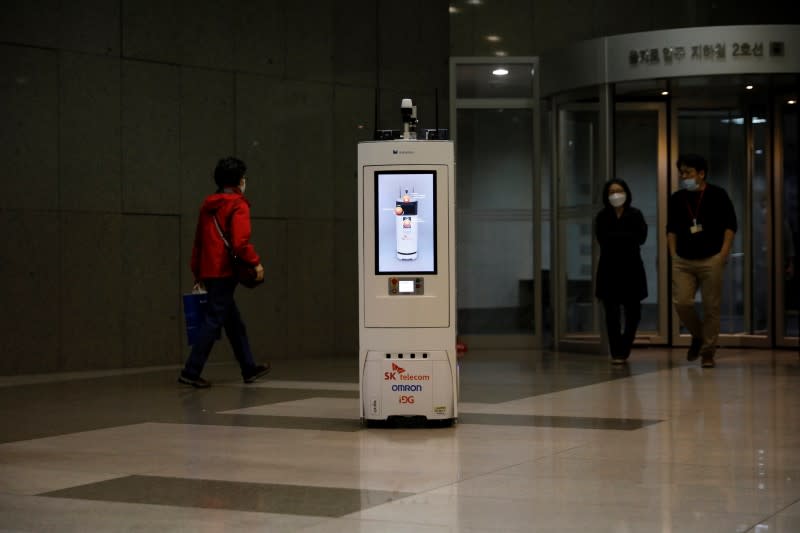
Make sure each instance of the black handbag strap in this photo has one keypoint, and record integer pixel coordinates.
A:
(222, 235)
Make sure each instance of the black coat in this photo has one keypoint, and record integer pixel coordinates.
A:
(620, 271)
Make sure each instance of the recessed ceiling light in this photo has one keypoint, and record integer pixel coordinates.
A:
(500, 72)
(501, 53)
(454, 10)
(664, 93)
(748, 87)
(493, 38)
(791, 102)
(474, 2)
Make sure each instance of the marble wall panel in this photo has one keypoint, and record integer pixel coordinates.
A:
(29, 128)
(149, 291)
(311, 288)
(93, 291)
(353, 122)
(345, 295)
(260, 106)
(413, 44)
(260, 37)
(305, 153)
(30, 22)
(150, 30)
(284, 133)
(151, 171)
(89, 94)
(206, 33)
(355, 43)
(309, 40)
(30, 291)
(91, 26)
(207, 131)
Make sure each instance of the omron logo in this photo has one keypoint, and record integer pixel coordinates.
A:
(402, 152)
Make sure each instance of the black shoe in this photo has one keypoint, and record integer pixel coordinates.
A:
(259, 371)
(694, 350)
(197, 383)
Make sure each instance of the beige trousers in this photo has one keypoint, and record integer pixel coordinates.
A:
(687, 276)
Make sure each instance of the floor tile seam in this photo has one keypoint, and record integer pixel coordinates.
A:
(752, 529)
(43, 379)
(14, 443)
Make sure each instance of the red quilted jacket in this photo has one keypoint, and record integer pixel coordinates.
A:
(210, 258)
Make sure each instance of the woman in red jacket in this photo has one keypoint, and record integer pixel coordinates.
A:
(213, 271)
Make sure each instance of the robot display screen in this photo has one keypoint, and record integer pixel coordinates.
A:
(405, 222)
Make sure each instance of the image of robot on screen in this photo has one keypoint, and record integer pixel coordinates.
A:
(405, 203)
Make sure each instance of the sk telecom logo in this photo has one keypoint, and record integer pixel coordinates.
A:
(392, 376)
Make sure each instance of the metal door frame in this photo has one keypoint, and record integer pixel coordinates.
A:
(508, 341)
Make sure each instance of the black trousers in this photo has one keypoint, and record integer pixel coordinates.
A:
(620, 340)
(221, 313)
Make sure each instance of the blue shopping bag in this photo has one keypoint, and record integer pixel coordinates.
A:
(194, 312)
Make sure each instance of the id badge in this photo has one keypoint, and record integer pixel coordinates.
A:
(697, 228)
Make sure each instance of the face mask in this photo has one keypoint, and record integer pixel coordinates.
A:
(617, 199)
(689, 184)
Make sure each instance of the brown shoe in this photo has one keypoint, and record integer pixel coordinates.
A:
(708, 361)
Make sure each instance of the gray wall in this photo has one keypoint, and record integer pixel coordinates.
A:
(112, 116)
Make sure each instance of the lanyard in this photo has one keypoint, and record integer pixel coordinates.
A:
(694, 214)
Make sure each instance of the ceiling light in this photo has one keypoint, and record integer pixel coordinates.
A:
(791, 102)
(501, 53)
(500, 72)
(454, 10)
(664, 93)
(748, 87)
(474, 2)
(493, 38)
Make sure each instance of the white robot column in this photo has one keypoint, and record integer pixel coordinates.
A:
(406, 266)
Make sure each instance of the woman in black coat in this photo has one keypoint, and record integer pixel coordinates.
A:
(621, 281)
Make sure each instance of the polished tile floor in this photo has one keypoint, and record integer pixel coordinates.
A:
(546, 442)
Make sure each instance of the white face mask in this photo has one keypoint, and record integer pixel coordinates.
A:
(689, 184)
(617, 199)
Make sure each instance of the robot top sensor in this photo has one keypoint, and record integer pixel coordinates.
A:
(406, 265)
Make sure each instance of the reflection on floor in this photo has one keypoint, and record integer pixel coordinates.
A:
(546, 442)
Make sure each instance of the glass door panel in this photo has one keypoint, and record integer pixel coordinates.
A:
(640, 160)
(494, 218)
(577, 174)
(787, 226)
